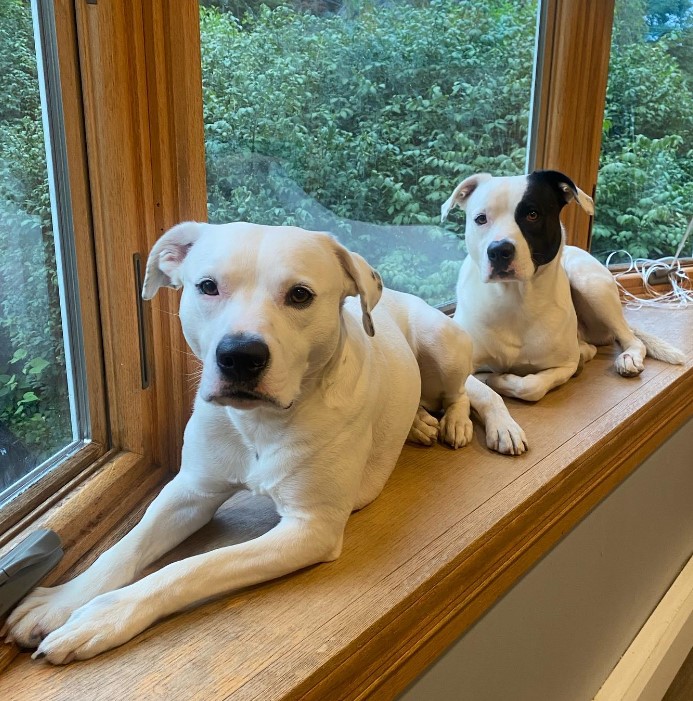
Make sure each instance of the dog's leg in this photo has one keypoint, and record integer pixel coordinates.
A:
(444, 353)
(425, 428)
(587, 352)
(532, 387)
(456, 428)
(605, 307)
(503, 434)
(114, 618)
(631, 362)
(179, 510)
(599, 310)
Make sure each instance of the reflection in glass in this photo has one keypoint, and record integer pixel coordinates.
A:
(359, 118)
(35, 414)
(645, 184)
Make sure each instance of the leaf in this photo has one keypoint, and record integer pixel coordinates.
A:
(19, 354)
(37, 365)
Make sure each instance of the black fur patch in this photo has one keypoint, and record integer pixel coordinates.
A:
(545, 197)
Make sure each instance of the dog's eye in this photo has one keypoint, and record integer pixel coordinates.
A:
(480, 219)
(532, 215)
(208, 287)
(299, 296)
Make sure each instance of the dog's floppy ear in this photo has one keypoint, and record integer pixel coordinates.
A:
(460, 196)
(569, 189)
(167, 255)
(363, 281)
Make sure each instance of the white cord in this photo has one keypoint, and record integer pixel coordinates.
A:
(681, 293)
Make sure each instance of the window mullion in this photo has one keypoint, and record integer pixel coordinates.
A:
(569, 118)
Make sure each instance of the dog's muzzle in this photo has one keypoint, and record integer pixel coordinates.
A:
(242, 359)
(501, 255)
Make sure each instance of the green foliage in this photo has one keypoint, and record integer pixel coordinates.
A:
(33, 390)
(377, 115)
(645, 186)
(379, 110)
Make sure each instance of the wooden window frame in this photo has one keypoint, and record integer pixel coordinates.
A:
(132, 94)
(567, 133)
(575, 44)
(78, 201)
(127, 184)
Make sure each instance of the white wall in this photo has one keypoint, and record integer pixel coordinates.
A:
(557, 634)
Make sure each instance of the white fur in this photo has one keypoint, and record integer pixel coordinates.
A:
(339, 406)
(534, 332)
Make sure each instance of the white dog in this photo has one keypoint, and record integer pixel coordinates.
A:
(303, 397)
(535, 308)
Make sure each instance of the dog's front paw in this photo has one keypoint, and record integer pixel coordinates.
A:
(44, 610)
(629, 365)
(506, 437)
(105, 622)
(456, 428)
(425, 428)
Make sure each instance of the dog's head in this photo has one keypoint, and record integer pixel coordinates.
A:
(513, 224)
(261, 305)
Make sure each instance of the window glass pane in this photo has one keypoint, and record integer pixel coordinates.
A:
(645, 184)
(360, 117)
(36, 420)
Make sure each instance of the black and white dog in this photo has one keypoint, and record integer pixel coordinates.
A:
(550, 304)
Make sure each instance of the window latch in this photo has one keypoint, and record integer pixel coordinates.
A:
(26, 564)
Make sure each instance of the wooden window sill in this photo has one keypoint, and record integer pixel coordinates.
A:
(450, 533)
(99, 504)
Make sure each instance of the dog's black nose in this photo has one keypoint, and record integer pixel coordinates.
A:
(501, 253)
(242, 358)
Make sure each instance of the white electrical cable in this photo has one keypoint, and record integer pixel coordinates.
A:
(681, 293)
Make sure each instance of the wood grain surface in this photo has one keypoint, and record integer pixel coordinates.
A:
(449, 534)
(572, 93)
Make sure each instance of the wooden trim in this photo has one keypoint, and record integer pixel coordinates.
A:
(542, 83)
(174, 81)
(114, 90)
(652, 660)
(80, 203)
(114, 87)
(43, 493)
(87, 513)
(176, 111)
(381, 664)
(573, 94)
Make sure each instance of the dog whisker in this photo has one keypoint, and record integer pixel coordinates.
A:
(184, 352)
(165, 311)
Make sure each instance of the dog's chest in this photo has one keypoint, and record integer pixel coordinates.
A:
(511, 349)
(507, 339)
(267, 472)
(274, 451)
